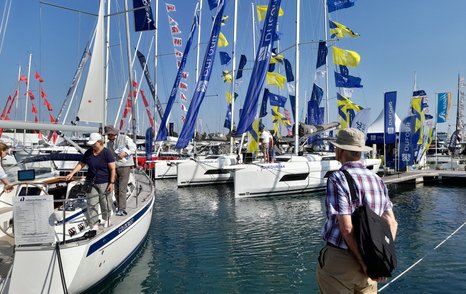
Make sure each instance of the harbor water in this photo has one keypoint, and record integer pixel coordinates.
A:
(203, 240)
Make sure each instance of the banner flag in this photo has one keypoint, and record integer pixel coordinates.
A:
(345, 57)
(143, 20)
(227, 122)
(317, 94)
(406, 146)
(347, 81)
(242, 63)
(288, 71)
(443, 106)
(163, 132)
(322, 54)
(143, 62)
(188, 128)
(265, 97)
(148, 143)
(389, 117)
(339, 4)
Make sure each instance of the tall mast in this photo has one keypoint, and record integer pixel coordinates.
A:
(156, 53)
(296, 123)
(133, 106)
(27, 96)
(235, 23)
(107, 49)
(327, 104)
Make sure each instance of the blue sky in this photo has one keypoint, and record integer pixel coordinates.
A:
(398, 38)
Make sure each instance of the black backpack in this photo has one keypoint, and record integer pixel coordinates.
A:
(373, 236)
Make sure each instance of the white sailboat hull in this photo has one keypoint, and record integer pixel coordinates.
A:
(166, 169)
(206, 171)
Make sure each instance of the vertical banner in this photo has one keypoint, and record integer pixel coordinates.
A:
(143, 20)
(142, 61)
(389, 118)
(443, 106)
(261, 64)
(148, 143)
(406, 147)
(203, 82)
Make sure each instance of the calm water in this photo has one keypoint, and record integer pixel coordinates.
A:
(202, 240)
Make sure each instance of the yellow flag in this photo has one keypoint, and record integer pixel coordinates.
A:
(224, 19)
(345, 107)
(276, 79)
(276, 59)
(227, 77)
(222, 41)
(416, 104)
(339, 30)
(262, 11)
(253, 137)
(229, 99)
(345, 57)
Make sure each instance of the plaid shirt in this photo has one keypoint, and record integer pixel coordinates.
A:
(370, 188)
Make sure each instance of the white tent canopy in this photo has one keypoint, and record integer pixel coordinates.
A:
(377, 126)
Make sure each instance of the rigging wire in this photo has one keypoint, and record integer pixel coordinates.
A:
(418, 261)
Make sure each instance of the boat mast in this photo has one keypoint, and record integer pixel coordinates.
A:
(130, 73)
(327, 104)
(296, 137)
(156, 58)
(198, 41)
(107, 49)
(27, 97)
(235, 23)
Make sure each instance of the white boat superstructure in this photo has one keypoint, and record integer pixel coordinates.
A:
(206, 170)
(55, 256)
(291, 174)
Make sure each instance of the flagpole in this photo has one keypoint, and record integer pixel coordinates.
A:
(107, 47)
(17, 99)
(327, 103)
(235, 23)
(156, 57)
(27, 97)
(198, 40)
(298, 18)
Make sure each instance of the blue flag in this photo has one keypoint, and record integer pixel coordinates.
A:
(344, 70)
(277, 100)
(339, 4)
(224, 57)
(317, 94)
(162, 134)
(148, 143)
(143, 20)
(201, 87)
(213, 3)
(406, 147)
(227, 123)
(347, 81)
(242, 63)
(443, 106)
(265, 97)
(288, 71)
(389, 117)
(260, 68)
(321, 54)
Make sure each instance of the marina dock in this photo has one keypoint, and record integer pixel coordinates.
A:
(420, 176)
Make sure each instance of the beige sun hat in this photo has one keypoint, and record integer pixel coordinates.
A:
(351, 139)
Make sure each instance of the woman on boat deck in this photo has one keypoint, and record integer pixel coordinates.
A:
(4, 149)
(101, 176)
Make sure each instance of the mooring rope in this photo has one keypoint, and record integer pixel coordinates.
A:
(414, 264)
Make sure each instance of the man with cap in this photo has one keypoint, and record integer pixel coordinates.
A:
(100, 178)
(340, 267)
(123, 148)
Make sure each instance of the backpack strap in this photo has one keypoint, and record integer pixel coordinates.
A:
(351, 184)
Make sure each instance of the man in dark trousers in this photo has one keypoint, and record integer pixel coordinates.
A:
(340, 268)
(123, 147)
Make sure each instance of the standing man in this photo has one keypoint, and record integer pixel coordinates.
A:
(340, 268)
(265, 140)
(123, 148)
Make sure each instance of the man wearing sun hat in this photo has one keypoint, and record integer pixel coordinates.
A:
(123, 148)
(340, 268)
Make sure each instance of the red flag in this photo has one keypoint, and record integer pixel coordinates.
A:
(52, 119)
(183, 118)
(185, 75)
(36, 120)
(171, 20)
(183, 86)
(144, 99)
(178, 53)
(40, 136)
(42, 93)
(39, 78)
(175, 30)
(23, 78)
(184, 108)
(135, 84)
(170, 7)
(149, 115)
(29, 93)
(34, 109)
(121, 124)
(54, 137)
(177, 42)
(183, 97)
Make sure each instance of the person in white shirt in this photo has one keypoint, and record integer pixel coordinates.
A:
(265, 139)
(4, 149)
(123, 148)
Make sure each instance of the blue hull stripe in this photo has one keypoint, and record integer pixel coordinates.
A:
(117, 231)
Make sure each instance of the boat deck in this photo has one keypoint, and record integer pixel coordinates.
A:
(6, 256)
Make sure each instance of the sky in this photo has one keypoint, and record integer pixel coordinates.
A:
(399, 40)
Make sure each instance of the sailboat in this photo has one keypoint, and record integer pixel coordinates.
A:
(51, 248)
